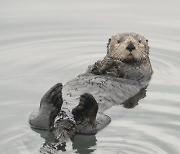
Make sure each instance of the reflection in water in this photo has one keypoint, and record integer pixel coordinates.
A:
(50, 145)
(133, 101)
(83, 144)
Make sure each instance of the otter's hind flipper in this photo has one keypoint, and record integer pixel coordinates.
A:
(50, 106)
(88, 120)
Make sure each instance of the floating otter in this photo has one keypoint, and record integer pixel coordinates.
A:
(120, 78)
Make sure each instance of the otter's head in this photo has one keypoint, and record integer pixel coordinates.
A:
(128, 47)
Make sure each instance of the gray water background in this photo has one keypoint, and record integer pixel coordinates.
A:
(43, 42)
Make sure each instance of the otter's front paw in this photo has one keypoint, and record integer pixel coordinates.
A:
(107, 65)
(96, 71)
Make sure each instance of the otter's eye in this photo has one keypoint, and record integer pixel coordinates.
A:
(118, 41)
(139, 41)
(147, 40)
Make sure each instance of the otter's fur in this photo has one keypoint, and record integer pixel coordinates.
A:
(123, 62)
(120, 78)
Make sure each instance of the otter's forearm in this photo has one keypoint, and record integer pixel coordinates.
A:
(100, 67)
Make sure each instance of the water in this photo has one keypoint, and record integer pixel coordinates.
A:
(45, 42)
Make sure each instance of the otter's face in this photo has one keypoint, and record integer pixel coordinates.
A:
(128, 47)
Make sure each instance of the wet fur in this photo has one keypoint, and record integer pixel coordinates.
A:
(120, 78)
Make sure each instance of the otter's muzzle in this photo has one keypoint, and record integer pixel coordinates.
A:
(130, 47)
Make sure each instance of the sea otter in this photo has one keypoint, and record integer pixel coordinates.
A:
(120, 78)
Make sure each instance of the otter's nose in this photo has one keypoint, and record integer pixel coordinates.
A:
(130, 47)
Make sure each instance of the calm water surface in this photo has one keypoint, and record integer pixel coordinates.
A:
(43, 42)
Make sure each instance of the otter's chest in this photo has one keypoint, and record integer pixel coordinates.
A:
(139, 73)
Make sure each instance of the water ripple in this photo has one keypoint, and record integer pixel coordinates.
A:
(43, 43)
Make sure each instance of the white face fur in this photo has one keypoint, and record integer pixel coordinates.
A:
(128, 47)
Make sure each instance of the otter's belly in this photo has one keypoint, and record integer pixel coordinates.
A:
(108, 91)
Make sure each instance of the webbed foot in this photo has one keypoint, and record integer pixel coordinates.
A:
(50, 106)
(88, 121)
(86, 110)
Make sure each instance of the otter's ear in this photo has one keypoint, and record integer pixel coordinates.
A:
(147, 46)
(108, 45)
